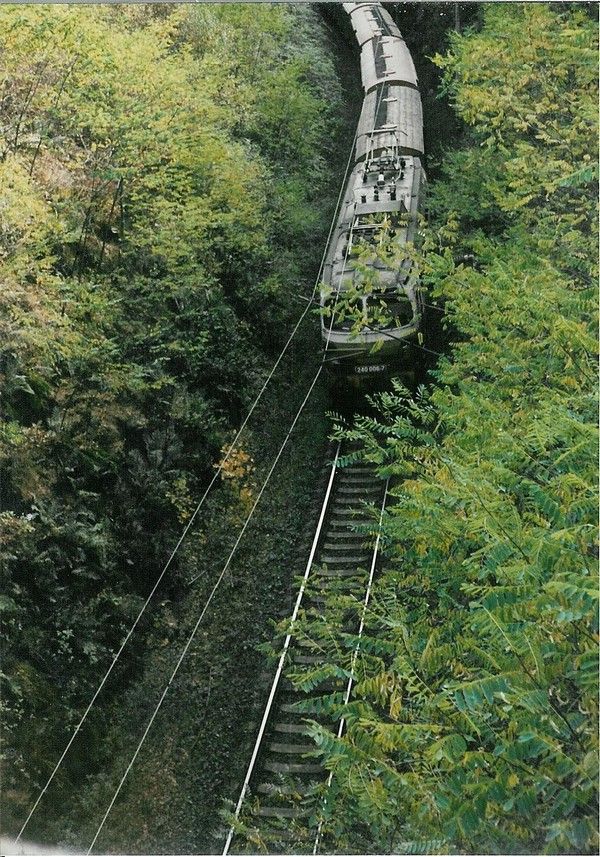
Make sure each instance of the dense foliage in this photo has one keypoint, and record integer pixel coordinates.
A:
(473, 725)
(165, 174)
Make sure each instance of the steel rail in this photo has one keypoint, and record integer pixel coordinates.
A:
(190, 638)
(284, 651)
(355, 652)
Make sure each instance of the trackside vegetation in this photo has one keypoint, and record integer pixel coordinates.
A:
(166, 172)
(473, 724)
(168, 175)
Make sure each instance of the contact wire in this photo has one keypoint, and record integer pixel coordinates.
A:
(192, 518)
(204, 609)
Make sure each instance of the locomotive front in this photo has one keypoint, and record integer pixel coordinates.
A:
(372, 309)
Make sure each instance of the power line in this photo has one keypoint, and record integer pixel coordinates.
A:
(194, 514)
(225, 567)
(204, 609)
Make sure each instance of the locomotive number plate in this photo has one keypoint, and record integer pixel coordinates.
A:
(376, 367)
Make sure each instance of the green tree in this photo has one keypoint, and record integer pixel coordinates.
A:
(473, 723)
(144, 293)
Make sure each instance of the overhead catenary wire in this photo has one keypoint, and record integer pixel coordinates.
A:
(204, 609)
(196, 511)
(220, 577)
(232, 552)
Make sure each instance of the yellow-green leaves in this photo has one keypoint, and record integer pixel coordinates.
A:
(151, 229)
(484, 618)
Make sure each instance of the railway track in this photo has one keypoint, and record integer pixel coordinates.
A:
(283, 784)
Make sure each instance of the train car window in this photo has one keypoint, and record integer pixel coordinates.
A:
(400, 312)
(348, 315)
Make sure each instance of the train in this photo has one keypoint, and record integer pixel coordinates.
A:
(371, 304)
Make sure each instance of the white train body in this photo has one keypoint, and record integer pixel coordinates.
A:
(386, 184)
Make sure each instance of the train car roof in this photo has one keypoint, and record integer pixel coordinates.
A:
(370, 20)
(390, 116)
(386, 60)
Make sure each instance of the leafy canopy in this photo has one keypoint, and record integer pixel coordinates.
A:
(473, 723)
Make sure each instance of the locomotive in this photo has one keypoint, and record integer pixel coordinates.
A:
(372, 311)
